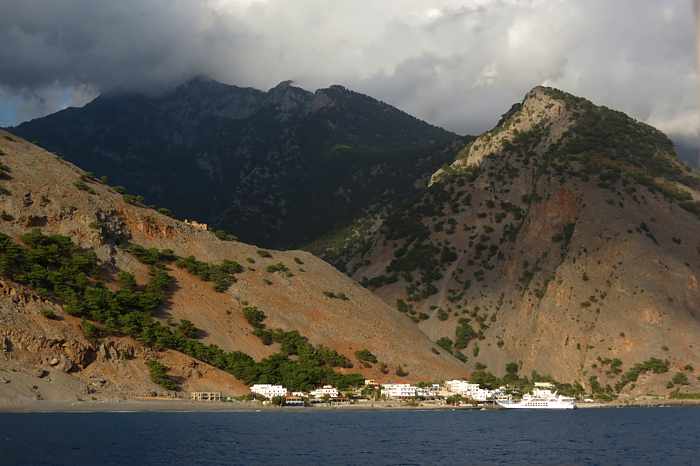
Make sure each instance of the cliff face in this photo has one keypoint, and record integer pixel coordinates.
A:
(563, 239)
(277, 168)
(42, 191)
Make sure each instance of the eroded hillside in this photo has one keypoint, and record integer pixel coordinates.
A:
(48, 353)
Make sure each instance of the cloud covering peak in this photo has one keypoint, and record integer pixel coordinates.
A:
(456, 63)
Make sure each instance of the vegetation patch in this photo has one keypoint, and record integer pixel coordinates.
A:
(653, 365)
(446, 344)
(464, 333)
(334, 295)
(299, 364)
(279, 268)
(365, 356)
(81, 185)
(223, 275)
(48, 313)
(159, 375)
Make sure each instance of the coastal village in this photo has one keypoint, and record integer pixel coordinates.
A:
(451, 392)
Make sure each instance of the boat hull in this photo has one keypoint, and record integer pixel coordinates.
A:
(549, 405)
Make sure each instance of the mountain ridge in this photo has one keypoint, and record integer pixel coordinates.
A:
(243, 160)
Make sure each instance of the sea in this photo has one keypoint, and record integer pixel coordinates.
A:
(623, 436)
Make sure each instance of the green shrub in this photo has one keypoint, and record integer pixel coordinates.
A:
(225, 236)
(332, 295)
(278, 267)
(654, 365)
(48, 313)
(366, 356)
(83, 187)
(159, 375)
(133, 199)
(254, 316)
(685, 396)
(512, 369)
(187, 329)
(680, 379)
(446, 344)
(150, 256)
(90, 330)
(403, 307)
(223, 275)
(464, 333)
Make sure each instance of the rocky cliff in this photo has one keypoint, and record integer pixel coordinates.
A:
(564, 240)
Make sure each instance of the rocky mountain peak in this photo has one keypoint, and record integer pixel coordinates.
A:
(539, 109)
(553, 123)
(289, 99)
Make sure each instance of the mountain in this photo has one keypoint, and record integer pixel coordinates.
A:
(278, 168)
(102, 297)
(564, 240)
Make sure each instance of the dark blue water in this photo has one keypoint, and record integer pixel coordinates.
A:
(666, 436)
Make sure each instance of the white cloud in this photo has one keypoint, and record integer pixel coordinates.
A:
(457, 63)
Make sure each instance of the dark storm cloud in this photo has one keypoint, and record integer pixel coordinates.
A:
(106, 44)
(457, 63)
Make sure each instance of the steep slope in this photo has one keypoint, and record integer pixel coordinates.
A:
(294, 289)
(564, 240)
(277, 168)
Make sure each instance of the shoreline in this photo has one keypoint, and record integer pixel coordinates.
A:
(118, 406)
(182, 406)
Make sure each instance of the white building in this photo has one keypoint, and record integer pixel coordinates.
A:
(399, 390)
(461, 387)
(326, 391)
(470, 390)
(431, 391)
(268, 391)
(205, 396)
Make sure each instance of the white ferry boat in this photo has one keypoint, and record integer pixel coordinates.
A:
(542, 397)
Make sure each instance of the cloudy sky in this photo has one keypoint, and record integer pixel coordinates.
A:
(455, 63)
